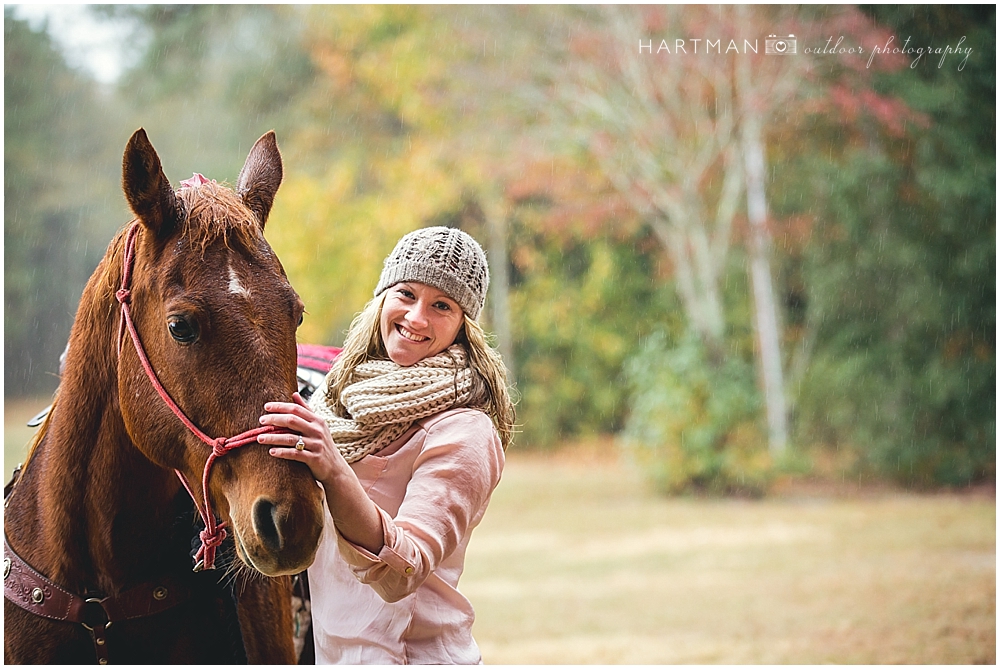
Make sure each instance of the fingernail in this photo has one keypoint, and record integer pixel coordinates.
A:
(261, 419)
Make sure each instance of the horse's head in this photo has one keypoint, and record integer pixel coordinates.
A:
(217, 316)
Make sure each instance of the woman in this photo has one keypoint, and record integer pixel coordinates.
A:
(407, 436)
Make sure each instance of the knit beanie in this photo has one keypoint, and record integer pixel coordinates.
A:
(446, 258)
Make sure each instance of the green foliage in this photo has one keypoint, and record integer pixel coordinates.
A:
(900, 275)
(212, 79)
(693, 424)
(250, 57)
(901, 372)
(579, 308)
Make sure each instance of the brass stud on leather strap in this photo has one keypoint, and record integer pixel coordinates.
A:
(30, 590)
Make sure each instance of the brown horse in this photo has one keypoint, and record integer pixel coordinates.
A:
(97, 509)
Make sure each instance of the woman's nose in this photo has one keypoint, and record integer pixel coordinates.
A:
(418, 314)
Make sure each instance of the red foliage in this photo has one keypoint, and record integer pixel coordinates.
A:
(574, 198)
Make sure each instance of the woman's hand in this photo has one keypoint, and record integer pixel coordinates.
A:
(318, 450)
(354, 514)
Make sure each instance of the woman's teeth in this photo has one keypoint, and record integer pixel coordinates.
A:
(406, 334)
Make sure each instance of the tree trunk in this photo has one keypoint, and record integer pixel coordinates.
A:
(766, 323)
(499, 292)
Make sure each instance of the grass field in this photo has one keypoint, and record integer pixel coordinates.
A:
(577, 563)
(16, 434)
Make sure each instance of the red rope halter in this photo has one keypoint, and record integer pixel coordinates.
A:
(214, 534)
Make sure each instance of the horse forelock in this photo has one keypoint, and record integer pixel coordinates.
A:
(215, 212)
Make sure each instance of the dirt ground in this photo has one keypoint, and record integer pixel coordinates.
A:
(577, 562)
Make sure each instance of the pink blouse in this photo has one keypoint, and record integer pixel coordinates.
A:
(402, 606)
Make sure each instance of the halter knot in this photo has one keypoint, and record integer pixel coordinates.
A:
(213, 539)
(219, 446)
(124, 295)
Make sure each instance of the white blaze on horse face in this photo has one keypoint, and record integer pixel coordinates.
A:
(235, 287)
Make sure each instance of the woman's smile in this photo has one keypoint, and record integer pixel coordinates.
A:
(418, 321)
(409, 335)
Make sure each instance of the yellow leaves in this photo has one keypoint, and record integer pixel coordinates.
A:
(332, 237)
(380, 135)
(394, 56)
(321, 242)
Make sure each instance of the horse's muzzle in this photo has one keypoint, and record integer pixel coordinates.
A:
(281, 537)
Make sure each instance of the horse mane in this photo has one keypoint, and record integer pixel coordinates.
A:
(213, 211)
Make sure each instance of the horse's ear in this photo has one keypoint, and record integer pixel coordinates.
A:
(147, 189)
(260, 177)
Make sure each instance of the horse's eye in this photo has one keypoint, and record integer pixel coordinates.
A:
(181, 330)
(302, 317)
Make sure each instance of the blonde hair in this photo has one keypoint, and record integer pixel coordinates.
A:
(489, 374)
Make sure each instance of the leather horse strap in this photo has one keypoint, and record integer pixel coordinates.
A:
(36, 594)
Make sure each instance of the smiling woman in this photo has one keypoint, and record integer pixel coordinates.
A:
(407, 436)
(435, 274)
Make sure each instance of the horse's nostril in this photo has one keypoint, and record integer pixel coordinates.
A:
(265, 523)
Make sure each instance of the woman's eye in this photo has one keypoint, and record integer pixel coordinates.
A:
(443, 306)
(182, 330)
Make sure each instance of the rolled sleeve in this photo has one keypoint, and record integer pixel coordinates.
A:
(452, 479)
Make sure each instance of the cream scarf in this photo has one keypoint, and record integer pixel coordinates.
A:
(385, 399)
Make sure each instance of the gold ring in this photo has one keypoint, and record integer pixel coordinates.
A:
(300, 445)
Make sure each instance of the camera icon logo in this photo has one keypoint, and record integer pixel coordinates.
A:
(779, 46)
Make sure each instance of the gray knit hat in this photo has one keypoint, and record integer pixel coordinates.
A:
(446, 258)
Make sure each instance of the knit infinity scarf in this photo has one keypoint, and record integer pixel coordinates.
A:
(385, 399)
